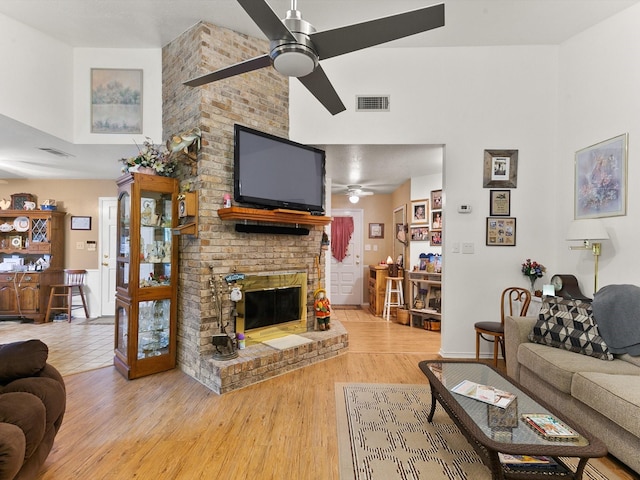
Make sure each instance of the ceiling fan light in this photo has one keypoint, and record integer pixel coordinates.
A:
(294, 60)
(353, 198)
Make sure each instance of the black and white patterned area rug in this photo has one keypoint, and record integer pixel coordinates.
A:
(383, 434)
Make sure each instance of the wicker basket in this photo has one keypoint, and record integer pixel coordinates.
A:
(402, 316)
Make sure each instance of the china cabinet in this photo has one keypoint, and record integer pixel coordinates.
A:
(31, 259)
(146, 278)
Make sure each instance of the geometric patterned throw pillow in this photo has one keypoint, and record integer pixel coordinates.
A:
(569, 324)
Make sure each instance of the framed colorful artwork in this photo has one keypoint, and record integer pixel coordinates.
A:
(601, 179)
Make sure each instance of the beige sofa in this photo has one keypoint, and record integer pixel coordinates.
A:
(602, 396)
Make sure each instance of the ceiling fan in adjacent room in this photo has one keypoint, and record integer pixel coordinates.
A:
(354, 192)
(296, 48)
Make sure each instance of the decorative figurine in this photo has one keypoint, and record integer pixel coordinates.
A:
(322, 307)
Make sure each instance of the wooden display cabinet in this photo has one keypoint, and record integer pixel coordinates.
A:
(32, 258)
(147, 275)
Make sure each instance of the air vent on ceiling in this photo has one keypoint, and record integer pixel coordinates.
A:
(372, 103)
(55, 151)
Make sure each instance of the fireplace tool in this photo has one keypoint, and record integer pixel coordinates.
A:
(225, 344)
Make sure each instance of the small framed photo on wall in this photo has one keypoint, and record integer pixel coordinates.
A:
(436, 238)
(436, 199)
(420, 211)
(376, 230)
(419, 234)
(500, 203)
(501, 231)
(500, 169)
(80, 223)
(436, 220)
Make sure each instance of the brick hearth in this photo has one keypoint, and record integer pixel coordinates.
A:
(261, 362)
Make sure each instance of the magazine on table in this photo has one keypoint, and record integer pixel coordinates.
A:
(509, 459)
(529, 462)
(484, 393)
(549, 426)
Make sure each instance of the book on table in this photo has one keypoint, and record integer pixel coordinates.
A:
(484, 393)
(549, 426)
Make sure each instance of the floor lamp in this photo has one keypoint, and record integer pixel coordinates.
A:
(589, 231)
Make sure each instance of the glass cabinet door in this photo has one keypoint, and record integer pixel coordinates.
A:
(124, 240)
(153, 328)
(122, 330)
(155, 239)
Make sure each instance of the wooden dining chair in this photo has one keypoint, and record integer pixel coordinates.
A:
(513, 300)
(66, 292)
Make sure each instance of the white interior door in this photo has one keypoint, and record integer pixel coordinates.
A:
(346, 276)
(107, 264)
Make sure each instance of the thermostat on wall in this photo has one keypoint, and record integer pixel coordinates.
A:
(464, 209)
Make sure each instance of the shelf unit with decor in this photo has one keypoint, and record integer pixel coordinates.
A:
(31, 259)
(147, 275)
(429, 316)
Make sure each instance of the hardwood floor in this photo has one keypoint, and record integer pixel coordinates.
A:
(169, 426)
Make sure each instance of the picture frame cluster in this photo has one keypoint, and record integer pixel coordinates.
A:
(426, 219)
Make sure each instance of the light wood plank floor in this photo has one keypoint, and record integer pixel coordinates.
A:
(169, 426)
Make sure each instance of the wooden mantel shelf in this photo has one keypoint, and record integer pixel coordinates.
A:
(272, 216)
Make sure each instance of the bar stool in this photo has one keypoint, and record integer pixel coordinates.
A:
(73, 287)
(388, 299)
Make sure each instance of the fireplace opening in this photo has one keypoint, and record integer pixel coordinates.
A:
(271, 306)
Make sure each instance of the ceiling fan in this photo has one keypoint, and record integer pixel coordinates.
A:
(296, 48)
(354, 192)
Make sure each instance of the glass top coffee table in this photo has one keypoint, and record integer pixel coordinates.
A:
(492, 430)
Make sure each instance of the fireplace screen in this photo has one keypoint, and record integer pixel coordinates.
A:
(271, 306)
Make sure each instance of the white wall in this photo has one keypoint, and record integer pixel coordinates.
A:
(547, 102)
(468, 99)
(599, 79)
(36, 84)
(47, 84)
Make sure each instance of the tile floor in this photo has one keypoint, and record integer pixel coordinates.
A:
(73, 347)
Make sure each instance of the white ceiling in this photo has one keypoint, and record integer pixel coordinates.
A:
(154, 23)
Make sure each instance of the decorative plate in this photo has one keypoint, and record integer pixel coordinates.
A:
(21, 224)
(6, 227)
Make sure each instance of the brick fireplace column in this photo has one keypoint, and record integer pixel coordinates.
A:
(260, 100)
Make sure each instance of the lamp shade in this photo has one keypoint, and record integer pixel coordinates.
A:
(587, 229)
(354, 198)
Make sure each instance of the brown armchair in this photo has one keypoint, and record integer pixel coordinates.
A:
(32, 405)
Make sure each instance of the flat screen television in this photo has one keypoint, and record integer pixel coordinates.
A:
(274, 172)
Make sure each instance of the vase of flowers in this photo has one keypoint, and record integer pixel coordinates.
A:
(533, 270)
(151, 159)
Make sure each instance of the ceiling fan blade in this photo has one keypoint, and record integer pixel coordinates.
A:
(331, 43)
(232, 70)
(320, 87)
(267, 20)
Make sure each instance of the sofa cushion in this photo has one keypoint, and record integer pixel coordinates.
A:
(568, 324)
(617, 397)
(628, 358)
(557, 367)
(22, 359)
